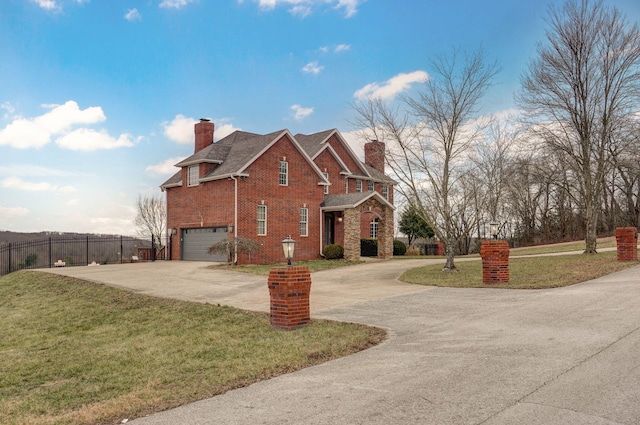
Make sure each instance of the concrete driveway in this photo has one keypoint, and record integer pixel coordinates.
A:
(454, 356)
(206, 283)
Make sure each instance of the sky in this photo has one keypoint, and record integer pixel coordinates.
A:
(98, 97)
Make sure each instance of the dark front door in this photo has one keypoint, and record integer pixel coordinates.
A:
(328, 229)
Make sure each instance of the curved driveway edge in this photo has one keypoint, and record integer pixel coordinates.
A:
(461, 356)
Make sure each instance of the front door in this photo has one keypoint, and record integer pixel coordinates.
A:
(328, 229)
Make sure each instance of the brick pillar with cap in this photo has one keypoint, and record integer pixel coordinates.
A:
(495, 261)
(289, 289)
(627, 243)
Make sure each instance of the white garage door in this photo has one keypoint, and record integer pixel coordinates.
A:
(196, 242)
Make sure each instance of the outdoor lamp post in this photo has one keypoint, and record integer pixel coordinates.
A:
(493, 228)
(288, 245)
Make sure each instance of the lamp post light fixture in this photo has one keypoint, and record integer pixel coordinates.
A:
(493, 229)
(288, 245)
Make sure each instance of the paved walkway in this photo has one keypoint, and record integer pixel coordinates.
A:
(454, 356)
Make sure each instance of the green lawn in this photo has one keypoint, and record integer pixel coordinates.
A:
(525, 273)
(73, 352)
(314, 266)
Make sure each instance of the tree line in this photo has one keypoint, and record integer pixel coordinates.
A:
(567, 166)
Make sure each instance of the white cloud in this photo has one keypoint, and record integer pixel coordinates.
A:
(312, 68)
(324, 49)
(25, 133)
(342, 48)
(7, 107)
(19, 184)
(305, 7)
(350, 6)
(10, 212)
(223, 130)
(174, 4)
(392, 87)
(180, 130)
(72, 202)
(87, 140)
(47, 4)
(133, 15)
(166, 167)
(301, 113)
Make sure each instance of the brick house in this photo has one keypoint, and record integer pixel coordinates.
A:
(268, 186)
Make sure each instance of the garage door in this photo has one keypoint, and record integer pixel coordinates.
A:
(196, 243)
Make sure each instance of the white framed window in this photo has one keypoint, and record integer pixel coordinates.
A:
(283, 175)
(358, 185)
(326, 187)
(262, 220)
(373, 229)
(304, 221)
(346, 185)
(370, 185)
(385, 191)
(193, 174)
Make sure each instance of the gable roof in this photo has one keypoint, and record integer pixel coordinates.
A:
(351, 200)
(316, 143)
(235, 153)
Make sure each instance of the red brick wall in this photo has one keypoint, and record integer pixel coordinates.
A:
(198, 206)
(328, 164)
(283, 205)
(212, 203)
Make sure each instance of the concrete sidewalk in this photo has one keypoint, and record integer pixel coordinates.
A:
(458, 356)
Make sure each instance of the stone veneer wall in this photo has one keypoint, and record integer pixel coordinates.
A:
(351, 223)
(352, 230)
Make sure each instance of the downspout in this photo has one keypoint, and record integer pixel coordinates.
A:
(235, 217)
(321, 231)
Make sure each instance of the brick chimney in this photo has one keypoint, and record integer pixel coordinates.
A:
(204, 134)
(374, 155)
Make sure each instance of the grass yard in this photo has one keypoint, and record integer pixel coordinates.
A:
(524, 273)
(73, 352)
(314, 266)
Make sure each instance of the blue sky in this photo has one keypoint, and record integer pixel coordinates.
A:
(98, 97)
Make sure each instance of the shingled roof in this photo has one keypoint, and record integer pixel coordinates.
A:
(350, 200)
(238, 150)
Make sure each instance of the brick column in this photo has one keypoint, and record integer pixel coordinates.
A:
(289, 289)
(495, 261)
(627, 242)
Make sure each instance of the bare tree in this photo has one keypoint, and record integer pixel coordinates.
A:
(429, 141)
(584, 82)
(232, 247)
(151, 217)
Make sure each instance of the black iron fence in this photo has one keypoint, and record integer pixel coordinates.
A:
(78, 251)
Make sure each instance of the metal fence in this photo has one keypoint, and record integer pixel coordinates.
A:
(77, 251)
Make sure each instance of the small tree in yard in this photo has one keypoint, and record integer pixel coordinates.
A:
(414, 226)
(233, 246)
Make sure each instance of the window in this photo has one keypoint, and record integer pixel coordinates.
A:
(346, 185)
(326, 187)
(304, 221)
(262, 220)
(193, 175)
(284, 173)
(370, 185)
(373, 229)
(385, 191)
(358, 185)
